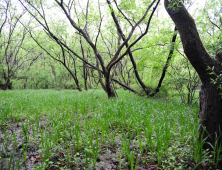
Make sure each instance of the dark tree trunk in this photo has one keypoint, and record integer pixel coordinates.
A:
(84, 66)
(25, 84)
(75, 78)
(210, 100)
(9, 84)
(210, 110)
(109, 88)
(85, 78)
(3, 87)
(100, 76)
(167, 63)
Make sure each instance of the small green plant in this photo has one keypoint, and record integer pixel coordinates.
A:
(159, 144)
(87, 155)
(25, 127)
(217, 80)
(197, 146)
(216, 149)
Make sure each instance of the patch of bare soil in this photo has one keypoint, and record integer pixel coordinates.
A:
(16, 153)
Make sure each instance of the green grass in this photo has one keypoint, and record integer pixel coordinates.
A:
(68, 129)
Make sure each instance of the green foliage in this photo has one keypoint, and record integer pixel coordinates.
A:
(217, 80)
(208, 20)
(128, 5)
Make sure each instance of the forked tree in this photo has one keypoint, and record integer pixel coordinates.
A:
(68, 8)
(210, 108)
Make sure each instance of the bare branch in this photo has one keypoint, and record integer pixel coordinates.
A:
(139, 38)
(98, 31)
(124, 16)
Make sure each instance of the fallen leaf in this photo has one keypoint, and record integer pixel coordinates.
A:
(61, 165)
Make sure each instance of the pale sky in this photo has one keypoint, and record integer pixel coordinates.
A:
(197, 4)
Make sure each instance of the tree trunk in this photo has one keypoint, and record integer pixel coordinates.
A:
(84, 66)
(8, 84)
(25, 84)
(74, 77)
(210, 100)
(210, 110)
(85, 76)
(85, 80)
(109, 88)
(100, 76)
(167, 63)
(3, 87)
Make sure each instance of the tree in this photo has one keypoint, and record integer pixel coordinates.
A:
(167, 63)
(210, 108)
(14, 53)
(91, 38)
(123, 37)
(61, 55)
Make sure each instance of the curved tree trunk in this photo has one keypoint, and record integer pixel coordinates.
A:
(107, 87)
(167, 63)
(74, 77)
(210, 100)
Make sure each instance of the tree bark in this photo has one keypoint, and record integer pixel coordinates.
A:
(74, 75)
(25, 84)
(109, 87)
(167, 63)
(75, 78)
(124, 86)
(84, 65)
(210, 101)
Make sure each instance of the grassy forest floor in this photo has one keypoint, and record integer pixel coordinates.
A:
(49, 129)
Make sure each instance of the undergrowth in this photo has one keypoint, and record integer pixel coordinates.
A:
(49, 129)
